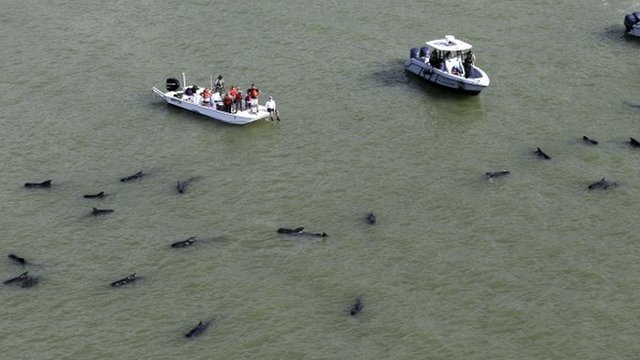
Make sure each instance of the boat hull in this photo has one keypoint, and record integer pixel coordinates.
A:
(436, 76)
(238, 118)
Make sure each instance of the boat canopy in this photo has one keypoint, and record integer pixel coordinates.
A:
(449, 43)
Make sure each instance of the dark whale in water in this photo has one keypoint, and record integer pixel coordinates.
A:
(198, 329)
(18, 259)
(541, 154)
(371, 219)
(589, 141)
(124, 281)
(44, 184)
(496, 174)
(357, 307)
(184, 243)
(19, 278)
(300, 232)
(181, 186)
(135, 176)
(603, 183)
(633, 142)
(24, 280)
(99, 195)
(96, 211)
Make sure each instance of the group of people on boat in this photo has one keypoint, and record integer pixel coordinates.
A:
(231, 101)
(455, 65)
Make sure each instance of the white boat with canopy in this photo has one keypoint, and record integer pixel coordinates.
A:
(191, 98)
(448, 62)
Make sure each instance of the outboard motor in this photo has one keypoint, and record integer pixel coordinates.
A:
(173, 84)
(413, 54)
(424, 52)
(630, 20)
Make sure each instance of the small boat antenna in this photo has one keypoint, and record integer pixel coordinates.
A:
(184, 81)
(211, 81)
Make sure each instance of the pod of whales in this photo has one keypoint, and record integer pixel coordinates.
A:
(124, 281)
(301, 232)
(198, 329)
(541, 154)
(135, 176)
(184, 243)
(44, 184)
(603, 184)
(99, 195)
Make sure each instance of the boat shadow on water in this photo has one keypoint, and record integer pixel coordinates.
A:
(614, 33)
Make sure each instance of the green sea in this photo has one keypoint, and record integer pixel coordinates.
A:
(530, 266)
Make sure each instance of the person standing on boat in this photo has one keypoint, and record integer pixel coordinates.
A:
(227, 101)
(232, 94)
(468, 62)
(217, 100)
(271, 108)
(206, 97)
(219, 84)
(254, 93)
(238, 101)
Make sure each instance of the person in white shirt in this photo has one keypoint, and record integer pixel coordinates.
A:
(271, 108)
(216, 99)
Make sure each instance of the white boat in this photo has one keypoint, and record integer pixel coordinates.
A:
(632, 23)
(448, 62)
(175, 95)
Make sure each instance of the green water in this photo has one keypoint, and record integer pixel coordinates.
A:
(533, 266)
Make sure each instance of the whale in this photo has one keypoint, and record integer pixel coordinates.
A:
(124, 281)
(184, 243)
(290, 231)
(301, 232)
(99, 195)
(357, 307)
(371, 219)
(602, 183)
(541, 154)
(181, 186)
(18, 259)
(20, 278)
(633, 142)
(135, 176)
(44, 184)
(496, 174)
(96, 212)
(589, 141)
(198, 329)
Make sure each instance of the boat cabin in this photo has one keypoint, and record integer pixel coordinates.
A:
(450, 55)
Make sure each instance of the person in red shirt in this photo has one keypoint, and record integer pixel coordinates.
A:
(254, 93)
(238, 101)
(227, 101)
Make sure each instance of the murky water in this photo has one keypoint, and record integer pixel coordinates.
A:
(532, 266)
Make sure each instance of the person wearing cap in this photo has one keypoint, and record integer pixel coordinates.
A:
(271, 108)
